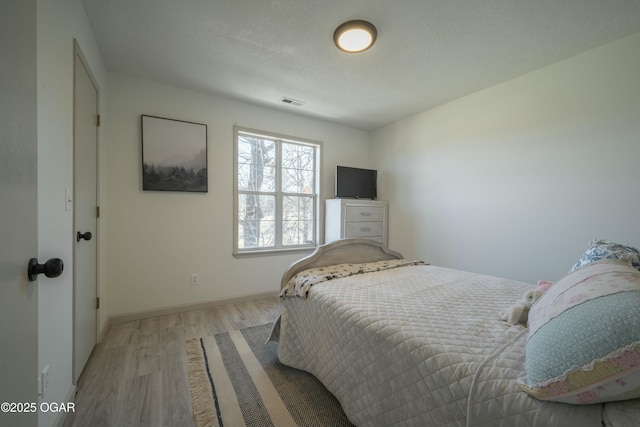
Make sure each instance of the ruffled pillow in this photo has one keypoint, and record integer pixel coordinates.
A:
(584, 337)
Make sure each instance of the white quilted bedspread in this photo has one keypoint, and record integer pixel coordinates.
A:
(419, 346)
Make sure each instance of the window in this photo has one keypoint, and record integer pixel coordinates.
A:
(276, 192)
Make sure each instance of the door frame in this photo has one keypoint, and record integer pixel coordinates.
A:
(19, 214)
(79, 56)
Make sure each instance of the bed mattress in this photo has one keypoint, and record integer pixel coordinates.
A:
(421, 346)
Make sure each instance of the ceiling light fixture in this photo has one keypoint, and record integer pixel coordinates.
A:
(355, 36)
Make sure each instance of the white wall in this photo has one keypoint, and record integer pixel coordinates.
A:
(58, 23)
(515, 180)
(156, 240)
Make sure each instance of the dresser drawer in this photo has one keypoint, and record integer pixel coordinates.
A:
(364, 213)
(374, 238)
(355, 218)
(363, 229)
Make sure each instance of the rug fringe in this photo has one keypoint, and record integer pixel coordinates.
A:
(201, 396)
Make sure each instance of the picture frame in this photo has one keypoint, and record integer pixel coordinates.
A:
(174, 155)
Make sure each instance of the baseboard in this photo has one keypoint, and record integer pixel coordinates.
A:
(105, 328)
(127, 317)
(62, 416)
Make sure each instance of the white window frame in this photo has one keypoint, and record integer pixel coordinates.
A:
(278, 193)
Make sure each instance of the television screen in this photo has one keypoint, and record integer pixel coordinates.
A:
(356, 183)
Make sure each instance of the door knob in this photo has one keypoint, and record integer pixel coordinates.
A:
(51, 268)
(86, 236)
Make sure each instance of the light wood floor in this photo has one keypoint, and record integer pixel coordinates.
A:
(138, 375)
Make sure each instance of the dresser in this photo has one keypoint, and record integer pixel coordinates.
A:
(366, 219)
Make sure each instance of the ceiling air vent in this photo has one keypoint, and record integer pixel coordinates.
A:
(292, 101)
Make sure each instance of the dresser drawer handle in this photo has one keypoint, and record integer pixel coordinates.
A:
(365, 228)
(365, 213)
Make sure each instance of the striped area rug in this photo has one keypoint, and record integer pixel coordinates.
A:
(236, 380)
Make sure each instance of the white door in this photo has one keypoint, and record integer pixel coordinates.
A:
(85, 213)
(18, 210)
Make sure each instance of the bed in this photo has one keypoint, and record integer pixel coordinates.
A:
(411, 344)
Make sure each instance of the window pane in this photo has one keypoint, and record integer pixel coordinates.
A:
(256, 221)
(261, 160)
(298, 167)
(256, 164)
(297, 222)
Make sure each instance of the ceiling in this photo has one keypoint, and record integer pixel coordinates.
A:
(428, 52)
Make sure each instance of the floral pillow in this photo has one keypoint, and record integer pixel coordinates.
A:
(601, 249)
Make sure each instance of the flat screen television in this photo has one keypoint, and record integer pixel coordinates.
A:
(356, 183)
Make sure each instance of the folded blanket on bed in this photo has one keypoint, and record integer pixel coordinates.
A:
(301, 283)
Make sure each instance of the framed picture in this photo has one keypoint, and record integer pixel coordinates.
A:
(174, 155)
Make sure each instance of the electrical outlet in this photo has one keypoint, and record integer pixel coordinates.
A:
(195, 280)
(44, 382)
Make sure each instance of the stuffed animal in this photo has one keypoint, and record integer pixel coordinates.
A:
(519, 312)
